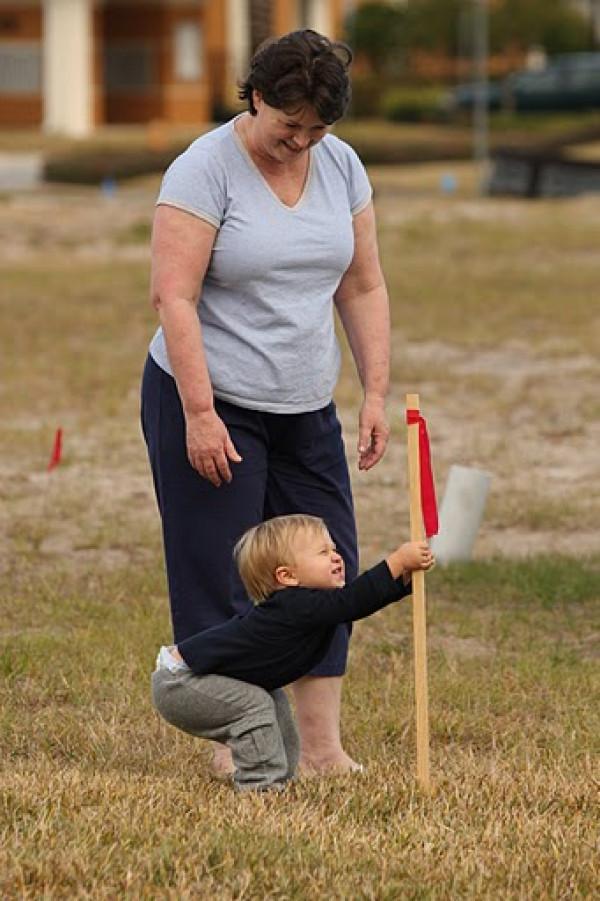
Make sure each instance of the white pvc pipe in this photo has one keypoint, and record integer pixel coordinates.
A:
(460, 513)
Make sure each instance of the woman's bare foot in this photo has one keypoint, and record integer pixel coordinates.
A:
(322, 765)
(222, 763)
(318, 703)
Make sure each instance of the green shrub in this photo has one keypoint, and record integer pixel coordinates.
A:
(92, 166)
(413, 104)
(375, 142)
(383, 143)
(367, 93)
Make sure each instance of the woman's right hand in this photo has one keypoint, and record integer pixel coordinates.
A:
(209, 447)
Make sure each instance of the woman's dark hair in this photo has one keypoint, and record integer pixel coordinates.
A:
(298, 68)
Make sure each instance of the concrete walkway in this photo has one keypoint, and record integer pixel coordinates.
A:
(20, 171)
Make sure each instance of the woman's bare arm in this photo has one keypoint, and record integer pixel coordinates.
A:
(181, 248)
(362, 303)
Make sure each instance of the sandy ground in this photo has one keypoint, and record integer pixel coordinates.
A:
(542, 456)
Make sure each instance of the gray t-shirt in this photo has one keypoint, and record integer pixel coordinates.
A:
(266, 301)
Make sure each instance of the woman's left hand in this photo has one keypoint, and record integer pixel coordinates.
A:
(373, 432)
(362, 303)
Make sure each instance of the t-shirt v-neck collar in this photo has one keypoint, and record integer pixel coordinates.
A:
(243, 150)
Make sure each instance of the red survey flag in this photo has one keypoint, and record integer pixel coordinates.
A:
(428, 499)
(56, 451)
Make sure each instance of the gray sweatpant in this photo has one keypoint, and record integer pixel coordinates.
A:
(256, 724)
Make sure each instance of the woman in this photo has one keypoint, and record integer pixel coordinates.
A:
(262, 227)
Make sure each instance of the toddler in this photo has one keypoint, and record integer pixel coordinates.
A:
(226, 683)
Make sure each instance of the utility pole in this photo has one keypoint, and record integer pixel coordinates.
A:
(595, 16)
(481, 99)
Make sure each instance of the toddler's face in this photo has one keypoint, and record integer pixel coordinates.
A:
(317, 564)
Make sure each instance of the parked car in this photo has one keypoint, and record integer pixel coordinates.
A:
(463, 96)
(569, 81)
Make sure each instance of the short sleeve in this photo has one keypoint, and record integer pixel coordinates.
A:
(359, 186)
(195, 183)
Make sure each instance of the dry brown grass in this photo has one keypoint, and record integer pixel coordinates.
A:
(101, 799)
(497, 326)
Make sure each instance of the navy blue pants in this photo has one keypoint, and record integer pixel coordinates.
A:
(292, 463)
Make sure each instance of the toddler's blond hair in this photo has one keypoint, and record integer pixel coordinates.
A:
(268, 545)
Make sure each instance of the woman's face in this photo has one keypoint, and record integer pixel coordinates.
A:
(285, 136)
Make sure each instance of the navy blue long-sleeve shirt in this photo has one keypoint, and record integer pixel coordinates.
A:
(284, 637)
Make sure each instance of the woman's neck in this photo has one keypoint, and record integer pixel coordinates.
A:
(267, 164)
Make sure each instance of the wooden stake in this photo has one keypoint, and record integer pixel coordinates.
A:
(418, 595)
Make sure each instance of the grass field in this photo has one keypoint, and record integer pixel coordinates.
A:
(497, 325)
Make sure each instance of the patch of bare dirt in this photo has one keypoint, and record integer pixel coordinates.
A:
(542, 454)
(82, 223)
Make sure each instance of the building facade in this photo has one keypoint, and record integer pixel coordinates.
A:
(70, 65)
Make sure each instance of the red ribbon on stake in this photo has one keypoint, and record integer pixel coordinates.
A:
(428, 498)
(56, 451)
(423, 518)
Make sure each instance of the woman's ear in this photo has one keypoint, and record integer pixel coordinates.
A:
(256, 97)
(286, 577)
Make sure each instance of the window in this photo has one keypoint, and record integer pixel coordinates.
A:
(129, 67)
(20, 68)
(188, 51)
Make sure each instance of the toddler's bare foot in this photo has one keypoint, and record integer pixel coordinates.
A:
(321, 765)
(222, 763)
